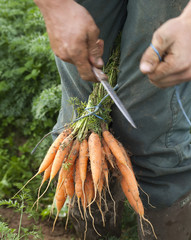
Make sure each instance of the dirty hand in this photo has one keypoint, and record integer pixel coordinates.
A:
(73, 35)
(173, 42)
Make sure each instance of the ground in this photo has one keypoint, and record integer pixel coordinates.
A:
(13, 218)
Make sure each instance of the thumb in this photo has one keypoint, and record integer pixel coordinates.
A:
(152, 55)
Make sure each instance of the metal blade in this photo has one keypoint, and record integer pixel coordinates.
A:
(101, 77)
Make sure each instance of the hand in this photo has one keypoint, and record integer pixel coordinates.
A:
(173, 42)
(73, 35)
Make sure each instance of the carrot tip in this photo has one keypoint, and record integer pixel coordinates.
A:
(150, 225)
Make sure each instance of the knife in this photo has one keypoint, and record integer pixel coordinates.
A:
(102, 78)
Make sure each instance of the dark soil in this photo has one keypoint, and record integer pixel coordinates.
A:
(12, 219)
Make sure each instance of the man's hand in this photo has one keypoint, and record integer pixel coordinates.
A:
(173, 42)
(73, 35)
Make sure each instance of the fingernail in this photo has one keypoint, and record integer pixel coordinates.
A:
(145, 67)
(99, 62)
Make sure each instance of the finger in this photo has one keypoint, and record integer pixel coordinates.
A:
(164, 84)
(95, 48)
(100, 45)
(83, 65)
(170, 66)
(173, 79)
(85, 70)
(95, 55)
(150, 59)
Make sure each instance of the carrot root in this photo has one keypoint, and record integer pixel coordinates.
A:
(86, 227)
(105, 201)
(114, 205)
(41, 194)
(38, 195)
(102, 215)
(148, 198)
(25, 184)
(55, 220)
(80, 210)
(93, 222)
(51, 210)
(95, 190)
(67, 219)
(145, 219)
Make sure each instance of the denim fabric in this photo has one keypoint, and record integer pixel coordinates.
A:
(161, 143)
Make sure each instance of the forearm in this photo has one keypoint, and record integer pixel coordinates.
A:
(47, 6)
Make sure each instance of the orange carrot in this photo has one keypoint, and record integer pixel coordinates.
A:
(78, 181)
(62, 152)
(60, 198)
(50, 155)
(108, 153)
(83, 160)
(53, 150)
(60, 177)
(61, 191)
(136, 205)
(95, 155)
(105, 170)
(78, 185)
(73, 153)
(114, 147)
(130, 179)
(89, 187)
(45, 177)
(100, 185)
(70, 160)
(69, 186)
(47, 173)
(121, 161)
(69, 183)
(128, 160)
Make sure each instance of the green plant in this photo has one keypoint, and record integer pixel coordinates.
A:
(6, 232)
(129, 223)
(46, 105)
(22, 233)
(28, 80)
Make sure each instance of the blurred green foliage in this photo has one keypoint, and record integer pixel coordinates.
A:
(30, 93)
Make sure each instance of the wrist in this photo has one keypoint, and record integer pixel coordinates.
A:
(46, 4)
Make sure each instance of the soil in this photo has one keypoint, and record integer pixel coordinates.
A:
(12, 219)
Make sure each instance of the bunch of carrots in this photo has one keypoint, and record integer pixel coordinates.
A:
(84, 153)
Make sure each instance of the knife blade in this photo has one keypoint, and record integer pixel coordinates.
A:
(102, 78)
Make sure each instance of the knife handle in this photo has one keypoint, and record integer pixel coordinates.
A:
(99, 74)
